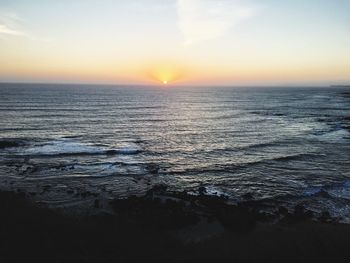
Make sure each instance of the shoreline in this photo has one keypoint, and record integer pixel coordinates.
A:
(172, 227)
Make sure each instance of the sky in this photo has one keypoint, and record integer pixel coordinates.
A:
(194, 42)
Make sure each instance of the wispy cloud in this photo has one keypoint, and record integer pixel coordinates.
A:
(201, 20)
(10, 25)
(8, 31)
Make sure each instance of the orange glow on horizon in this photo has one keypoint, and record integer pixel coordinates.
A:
(165, 73)
(172, 72)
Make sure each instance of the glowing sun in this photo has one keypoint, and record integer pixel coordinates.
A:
(165, 73)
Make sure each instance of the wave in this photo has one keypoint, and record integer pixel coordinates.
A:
(210, 191)
(341, 191)
(125, 150)
(143, 120)
(67, 147)
(334, 135)
(338, 190)
(268, 113)
(221, 150)
(236, 167)
(214, 191)
(292, 157)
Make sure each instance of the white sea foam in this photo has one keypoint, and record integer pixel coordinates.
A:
(103, 169)
(62, 146)
(342, 191)
(211, 190)
(334, 136)
(129, 150)
(68, 146)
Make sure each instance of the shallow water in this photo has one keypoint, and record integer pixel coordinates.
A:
(119, 141)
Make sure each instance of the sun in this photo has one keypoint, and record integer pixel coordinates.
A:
(164, 73)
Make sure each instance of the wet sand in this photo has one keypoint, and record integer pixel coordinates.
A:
(161, 227)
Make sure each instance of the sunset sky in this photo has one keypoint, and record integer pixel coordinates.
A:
(195, 42)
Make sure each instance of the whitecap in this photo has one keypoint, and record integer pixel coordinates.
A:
(334, 136)
(62, 146)
(128, 148)
(66, 146)
(214, 191)
(341, 191)
(312, 191)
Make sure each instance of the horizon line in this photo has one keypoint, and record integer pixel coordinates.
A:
(130, 85)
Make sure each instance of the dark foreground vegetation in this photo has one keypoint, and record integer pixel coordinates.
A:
(173, 228)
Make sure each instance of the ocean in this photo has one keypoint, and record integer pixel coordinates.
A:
(66, 144)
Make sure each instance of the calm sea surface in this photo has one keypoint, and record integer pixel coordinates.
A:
(280, 143)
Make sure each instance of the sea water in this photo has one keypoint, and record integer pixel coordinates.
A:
(277, 143)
